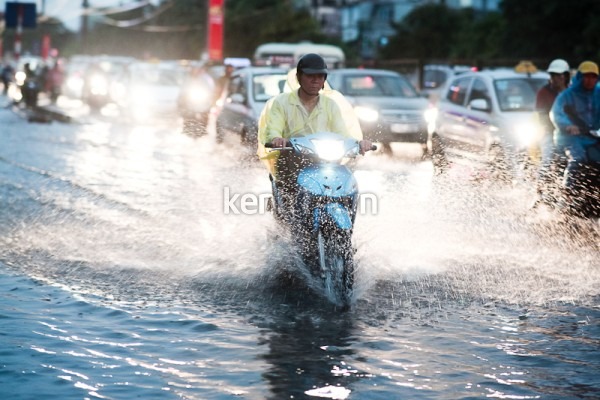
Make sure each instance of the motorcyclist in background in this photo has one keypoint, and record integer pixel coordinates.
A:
(222, 82)
(575, 112)
(31, 87)
(8, 77)
(299, 113)
(560, 78)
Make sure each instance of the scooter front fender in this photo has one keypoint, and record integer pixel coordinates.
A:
(336, 213)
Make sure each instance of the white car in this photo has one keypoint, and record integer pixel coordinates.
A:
(489, 117)
(248, 91)
(150, 89)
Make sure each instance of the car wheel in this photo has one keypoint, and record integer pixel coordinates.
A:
(438, 155)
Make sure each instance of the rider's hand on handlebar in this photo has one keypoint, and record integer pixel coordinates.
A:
(573, 130)
(279, 142)
(365, 145)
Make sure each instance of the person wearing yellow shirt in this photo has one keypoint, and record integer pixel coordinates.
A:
(301, 112)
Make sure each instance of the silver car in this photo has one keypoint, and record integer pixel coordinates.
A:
(387, 105)
(489, 117)
(248, 91)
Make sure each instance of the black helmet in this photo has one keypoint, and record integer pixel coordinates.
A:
(312, 63)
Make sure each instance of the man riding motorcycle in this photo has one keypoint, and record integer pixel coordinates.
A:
(300, 113)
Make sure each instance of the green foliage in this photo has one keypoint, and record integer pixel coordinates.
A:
(430, 30)
(249, 23)
(520, 30)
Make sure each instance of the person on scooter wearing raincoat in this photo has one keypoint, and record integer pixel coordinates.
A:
(560, 78)
(301, 112)
(575, 112)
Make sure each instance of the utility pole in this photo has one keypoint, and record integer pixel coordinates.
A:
(84, 25)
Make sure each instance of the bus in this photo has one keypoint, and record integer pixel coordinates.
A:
(288, 54)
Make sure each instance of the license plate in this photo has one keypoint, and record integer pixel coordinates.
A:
(404, 128)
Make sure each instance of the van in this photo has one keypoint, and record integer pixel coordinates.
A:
(288, 54)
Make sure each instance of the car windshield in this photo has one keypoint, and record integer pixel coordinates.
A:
(269, 85)
(517, 94)
(378, 86)
(433, 78)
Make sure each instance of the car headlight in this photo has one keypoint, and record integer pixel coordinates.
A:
(366, 114)
(20, 77)
(527, 133)
(98, 85)
(329, 150)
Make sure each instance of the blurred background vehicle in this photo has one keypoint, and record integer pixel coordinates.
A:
(248, 91)
(75, 68)
(387, 105)
(78, 67)
(288, 54)
(489, 117)
(149, 89)
(435, 78)
(196, 98)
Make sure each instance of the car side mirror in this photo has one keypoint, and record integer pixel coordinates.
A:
(238, 98)
(480, 105)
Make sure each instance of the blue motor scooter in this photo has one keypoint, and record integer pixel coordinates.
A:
(320, 210)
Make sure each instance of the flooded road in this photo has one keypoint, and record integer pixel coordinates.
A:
(123, 275)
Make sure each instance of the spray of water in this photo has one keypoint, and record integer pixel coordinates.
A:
(157, 215)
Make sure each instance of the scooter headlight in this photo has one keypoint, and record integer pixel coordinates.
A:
(527, 133)
(329, 150)
(198, 95)
(20, 77)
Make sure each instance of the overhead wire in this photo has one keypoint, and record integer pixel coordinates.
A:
(140, 22)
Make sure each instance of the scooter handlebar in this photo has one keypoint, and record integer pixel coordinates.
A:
(270, 146)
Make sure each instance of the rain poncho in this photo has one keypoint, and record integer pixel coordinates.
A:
(586, 105)
(285, 116)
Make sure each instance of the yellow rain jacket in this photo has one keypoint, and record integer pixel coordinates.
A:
(285, 116)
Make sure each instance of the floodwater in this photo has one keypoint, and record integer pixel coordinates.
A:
(124, 274)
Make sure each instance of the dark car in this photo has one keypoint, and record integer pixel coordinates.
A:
(387, 105)
(248, 91)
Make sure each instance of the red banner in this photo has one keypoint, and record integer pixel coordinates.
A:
(215, 29)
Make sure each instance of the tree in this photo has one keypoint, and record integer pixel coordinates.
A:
(553, 29)
(427, 32)
(249, 23)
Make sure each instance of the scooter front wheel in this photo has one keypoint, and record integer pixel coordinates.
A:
(336, 265)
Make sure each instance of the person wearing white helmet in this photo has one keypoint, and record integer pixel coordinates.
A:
(560, 77)
(576, 112)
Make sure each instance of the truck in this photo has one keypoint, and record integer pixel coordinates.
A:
(288, 54)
